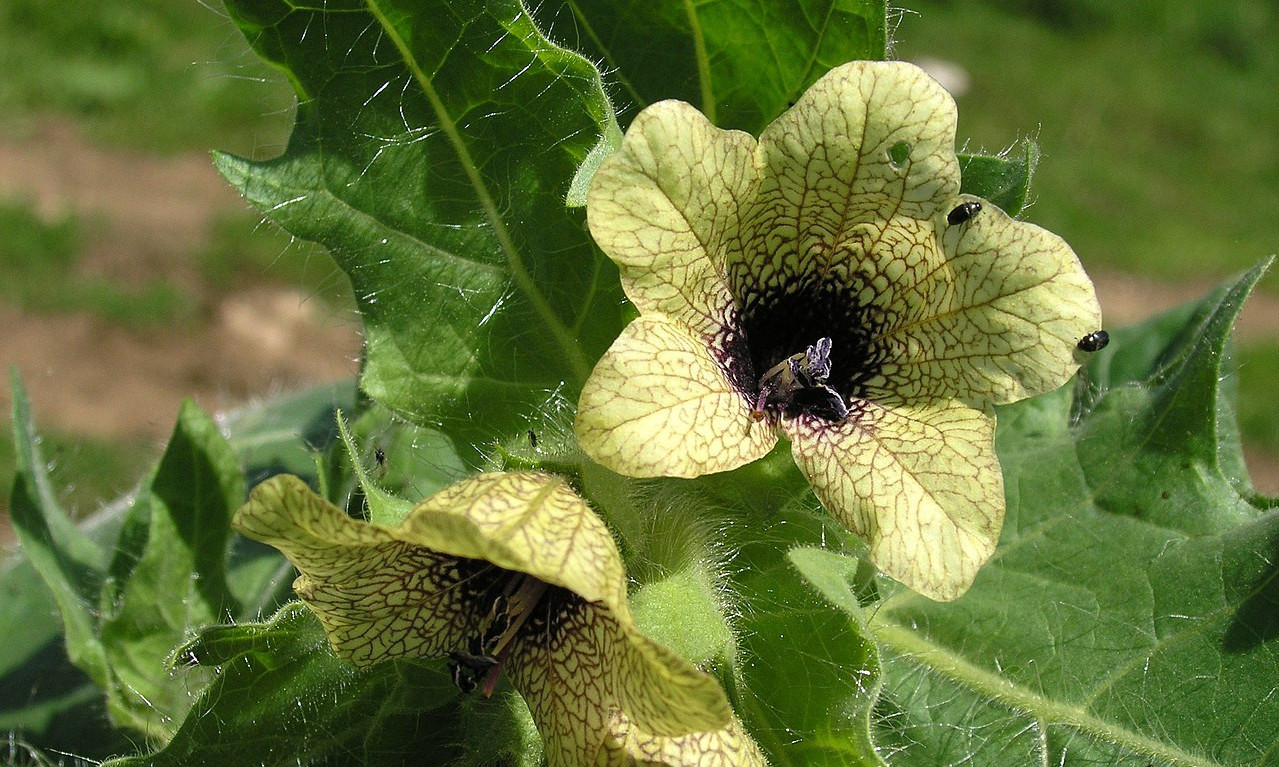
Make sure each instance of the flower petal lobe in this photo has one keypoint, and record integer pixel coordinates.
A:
(666, 206)
(657, 404)
(919, 482)
(997, 321)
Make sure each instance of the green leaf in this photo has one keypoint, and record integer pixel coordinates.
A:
(1128, 616)
(808, 669)
(169, 576)
(72, 564)
(740, 63)
(281, 696)
(43, 695)
(44, 698)
(434, 147)
(281, 435)
(499, 731)
(383, 508)
(1003, 179)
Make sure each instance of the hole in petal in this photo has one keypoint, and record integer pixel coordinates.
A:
(899, 153)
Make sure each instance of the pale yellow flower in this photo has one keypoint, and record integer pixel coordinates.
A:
(507, 572)
(828, 282)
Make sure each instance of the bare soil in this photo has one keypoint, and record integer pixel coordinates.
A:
(149, 217)
(90, 377)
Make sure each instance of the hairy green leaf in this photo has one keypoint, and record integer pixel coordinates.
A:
(281, 435)
(809, 672)
(1003, 179)
(434, 146)
(169, 574)
(740, 63)
(282, 696)
(1128, 616)
(71, 564)
(125, 616)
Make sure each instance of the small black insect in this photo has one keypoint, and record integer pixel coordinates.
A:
(379, 455)
(532, 438)
(963, 212)
(1094, 341)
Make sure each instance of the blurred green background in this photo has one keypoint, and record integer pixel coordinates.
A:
(1156, 121)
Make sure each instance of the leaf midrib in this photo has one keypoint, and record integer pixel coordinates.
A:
(579, 367)
(912, 647)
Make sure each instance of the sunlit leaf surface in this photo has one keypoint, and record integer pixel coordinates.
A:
(432, 156)
(741, 63)
(1128, 616)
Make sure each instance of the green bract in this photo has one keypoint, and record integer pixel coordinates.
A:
(504, 572)
(840, 226)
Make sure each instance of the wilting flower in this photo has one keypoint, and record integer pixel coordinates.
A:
(830, 283)
(504, 573)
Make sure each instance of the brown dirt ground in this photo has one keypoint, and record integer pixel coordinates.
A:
(89, 377)
(152, 215)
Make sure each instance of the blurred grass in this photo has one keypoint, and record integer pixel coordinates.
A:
(1156, 120)
(38, 258)
(1258, 392)
(244, 251)
(156, 75)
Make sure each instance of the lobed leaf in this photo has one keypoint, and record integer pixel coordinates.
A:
(168, 577)
(71, 564)
(434, 147)
(1128, 614)
(1002, 179)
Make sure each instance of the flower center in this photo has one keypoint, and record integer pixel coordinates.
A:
(797, 376)
(813, 345)
(514, 600)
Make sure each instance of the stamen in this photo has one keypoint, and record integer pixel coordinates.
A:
(521, 606)
(487, 652)
(468, 667)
